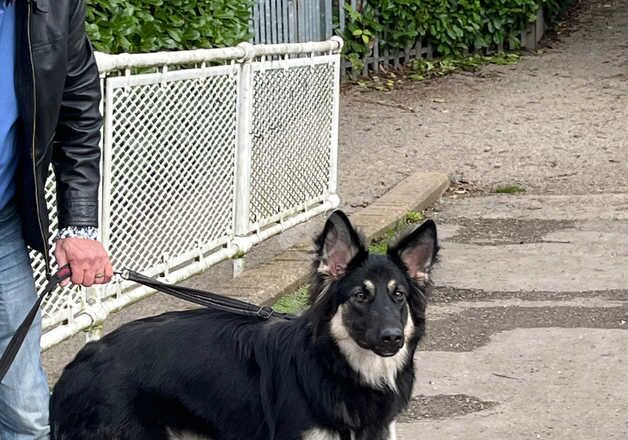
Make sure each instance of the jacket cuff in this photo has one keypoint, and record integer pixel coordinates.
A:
(78, 212)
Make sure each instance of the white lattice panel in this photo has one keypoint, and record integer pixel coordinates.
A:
(292, 126)
(172, 152)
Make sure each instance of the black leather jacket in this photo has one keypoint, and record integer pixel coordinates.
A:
(58, 93)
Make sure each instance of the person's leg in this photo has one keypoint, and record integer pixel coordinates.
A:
(24, 391)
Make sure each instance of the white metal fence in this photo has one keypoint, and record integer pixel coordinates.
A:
(205, 153)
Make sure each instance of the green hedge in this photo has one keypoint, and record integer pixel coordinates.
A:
(116, 26)
(453, 26)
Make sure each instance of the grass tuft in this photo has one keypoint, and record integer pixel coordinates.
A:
(294, 302)
(413, 217)
(508, 189)
(380, 245)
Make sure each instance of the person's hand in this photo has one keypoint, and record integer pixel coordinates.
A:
(88, 261)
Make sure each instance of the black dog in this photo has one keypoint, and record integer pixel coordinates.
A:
(341, 370)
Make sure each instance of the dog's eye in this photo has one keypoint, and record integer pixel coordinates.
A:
(398, 293)
(360, 295)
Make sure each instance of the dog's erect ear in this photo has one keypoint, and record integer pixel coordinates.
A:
(417, 251)
(338, 245)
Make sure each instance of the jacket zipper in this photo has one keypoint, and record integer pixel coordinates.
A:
(37, 207)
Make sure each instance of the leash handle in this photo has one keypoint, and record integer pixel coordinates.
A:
(63, 274)
(18, 338)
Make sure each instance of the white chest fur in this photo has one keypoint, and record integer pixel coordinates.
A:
(320, 434)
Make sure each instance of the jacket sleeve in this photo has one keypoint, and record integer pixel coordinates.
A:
(76, 154)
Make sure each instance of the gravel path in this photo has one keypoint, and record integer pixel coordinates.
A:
(556, 122)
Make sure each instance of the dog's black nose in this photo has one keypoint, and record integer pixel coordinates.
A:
(391, 337)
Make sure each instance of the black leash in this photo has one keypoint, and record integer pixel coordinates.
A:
(204, 298)
(18, 338)
(207, 299)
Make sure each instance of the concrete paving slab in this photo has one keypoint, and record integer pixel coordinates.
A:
(451, 294)
(548, 267)
(473, 328)
(577, 258)
(446, 231)
(548, 384)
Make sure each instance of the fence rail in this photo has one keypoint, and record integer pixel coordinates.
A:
(205, 153)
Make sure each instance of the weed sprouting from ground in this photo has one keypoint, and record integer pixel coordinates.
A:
(293, 302)
(413, 217)
(380, 245)
(508, 189)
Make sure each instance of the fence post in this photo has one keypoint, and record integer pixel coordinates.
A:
(285, 30)
(243, 155)
(254, 23)
(327, 30)
(292, 21)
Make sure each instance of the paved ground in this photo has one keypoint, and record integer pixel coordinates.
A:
(528, 325)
